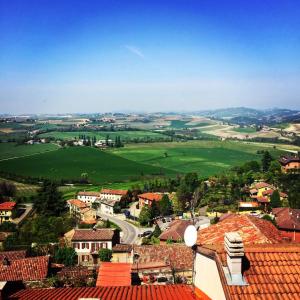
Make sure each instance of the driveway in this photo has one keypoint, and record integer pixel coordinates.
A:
(25, 214)
(130, 232)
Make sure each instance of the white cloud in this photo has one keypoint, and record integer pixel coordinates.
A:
(135, 51)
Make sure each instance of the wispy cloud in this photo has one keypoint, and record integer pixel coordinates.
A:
(135, 51)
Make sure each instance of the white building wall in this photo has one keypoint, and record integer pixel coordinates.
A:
(207, 277)
(87, 199)
(110, 197)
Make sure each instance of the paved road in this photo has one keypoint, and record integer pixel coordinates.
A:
(130, 232)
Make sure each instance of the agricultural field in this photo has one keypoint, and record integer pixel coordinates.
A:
(245, 129)
(125, 135)
(11, 150)
(70, 163)
(204, 157)
(23, 190)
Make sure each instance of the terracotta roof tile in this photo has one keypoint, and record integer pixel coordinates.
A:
(287, 218)
(122, 248)
(94, 194)
(114, 192)
(179, 257)
(114, 274)
(78, 203)
(93, 235)
(157, 292)
(151, 196)
(252, 230)
(273, 272)
(12, 255)
(74, 272)
(9, 205)
(25, 269)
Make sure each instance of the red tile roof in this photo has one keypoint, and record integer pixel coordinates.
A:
(78, 203)
(93, 235)
(74, 272)
(179, 257)
(252, 230)
(273, 272)
(122, 248)
(11, 255)
(151, 292)
(270, 192)
(25, 269)
(287, 218)
(114, 192)
(9, 205)
(151, 196)
(176, 231)
(114, 274)
(261, 185)
(94, 194)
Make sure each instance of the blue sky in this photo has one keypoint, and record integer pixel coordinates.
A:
(96, 56)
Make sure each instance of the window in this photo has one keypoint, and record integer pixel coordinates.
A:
(85, 258)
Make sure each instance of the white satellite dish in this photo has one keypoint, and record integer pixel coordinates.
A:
(190, 236)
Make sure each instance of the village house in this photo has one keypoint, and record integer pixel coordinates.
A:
(122, 253)
(290, 163)
(6, 211)
(88, 197)
(288, 222)
(88, 242)
(175, 232)
(148, 198)
(107, 206)
(109, 194)
(81, 211)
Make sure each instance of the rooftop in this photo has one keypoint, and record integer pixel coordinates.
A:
(94, 194)
(114, 192)
(287, 218)
(9, 205)
(176, 230)
(156, 256)
(25, 269)
(11, 255)
(114, 274)
(151, 196)
(78, 203)
(253, 230)
(104, 234)
(284, 160)
(261, 185)
(157, 292)
(122, 248)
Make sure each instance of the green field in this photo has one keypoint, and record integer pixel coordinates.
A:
(125, 135)
(204, 157)
(245, 129)
(70, 163)
(133, 163)
(9, 150)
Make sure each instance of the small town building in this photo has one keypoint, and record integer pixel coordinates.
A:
(88, 242)
(288, 222)
(122, 253)
(88, 197)
(107, 206)
(175, 232)
(148, 198)
(290, 163)
(81, 211)
(6, 211)
(109, 194)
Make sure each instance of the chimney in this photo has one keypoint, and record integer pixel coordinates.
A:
(234, 248)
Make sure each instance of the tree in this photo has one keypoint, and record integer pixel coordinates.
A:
(266, 161)
(49, 201)
(165, 206)
(145, 216)
(275, 199)
(157, 231)
(66, 256)
(7, 189)
(107, 223)
(105, 254)
(154, 210)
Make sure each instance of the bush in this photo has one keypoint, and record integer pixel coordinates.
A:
(105, 254)
(7, 227)
(66, 256)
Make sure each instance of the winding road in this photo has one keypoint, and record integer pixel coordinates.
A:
(130, 232)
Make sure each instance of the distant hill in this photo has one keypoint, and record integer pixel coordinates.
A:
(247, 116)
